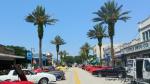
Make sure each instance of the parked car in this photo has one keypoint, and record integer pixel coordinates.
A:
(99, 68)
(61, 68)
(40, 78)
(114, 72)
(15, 82)
(21, 76)
(60, 75)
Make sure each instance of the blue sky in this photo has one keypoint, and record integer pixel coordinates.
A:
(74, 22)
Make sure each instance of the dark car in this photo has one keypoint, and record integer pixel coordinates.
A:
(60, 75)
(113, 72)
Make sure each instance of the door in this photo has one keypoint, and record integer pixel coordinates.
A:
(14, 76)
(139, 68)
(131, 68)
(146, 69)
(30, 76)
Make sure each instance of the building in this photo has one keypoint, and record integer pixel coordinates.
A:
(117, 53)
(96, 51)
(105, 52)
(140, 47)
(8, 58)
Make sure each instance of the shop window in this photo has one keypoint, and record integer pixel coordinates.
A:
(143, 34)
(149, 34)
(146, 35)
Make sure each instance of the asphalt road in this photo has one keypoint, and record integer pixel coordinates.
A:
(79, 76)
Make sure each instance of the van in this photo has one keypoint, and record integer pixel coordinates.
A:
(139, 69)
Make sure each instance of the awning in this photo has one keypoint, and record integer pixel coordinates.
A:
(9, 57)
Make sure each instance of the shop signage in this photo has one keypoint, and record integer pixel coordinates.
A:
(138, 47)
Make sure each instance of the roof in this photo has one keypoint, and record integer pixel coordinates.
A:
(9, 57)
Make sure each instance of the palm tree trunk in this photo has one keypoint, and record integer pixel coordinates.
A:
(100, 45)
(57, 49)
(112, 51)
(40, 35)
(61, 59)
(40, 53)
(100, 55)
(111, 32)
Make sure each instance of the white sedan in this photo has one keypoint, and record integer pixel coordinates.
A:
(40, 78)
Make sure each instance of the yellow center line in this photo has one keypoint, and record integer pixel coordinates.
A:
(76, 77)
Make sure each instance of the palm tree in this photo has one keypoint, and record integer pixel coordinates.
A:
(40, 18)
(109, 14)
(58, 41)
(65, 53)
(61, 56)
(82, 54)
(98, 33)
(85, 50)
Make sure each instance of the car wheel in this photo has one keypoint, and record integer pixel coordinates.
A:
(59, 78)
(99, 75)
(43, 81)
(120, 75)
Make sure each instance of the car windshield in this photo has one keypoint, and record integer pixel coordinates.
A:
(30, 72)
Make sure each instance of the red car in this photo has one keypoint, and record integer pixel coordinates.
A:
(94, 70)
(99, 68)
(16, 82)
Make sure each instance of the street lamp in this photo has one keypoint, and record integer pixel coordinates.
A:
(49, 57)
(32, 50)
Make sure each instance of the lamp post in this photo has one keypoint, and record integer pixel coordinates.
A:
(49, 57)
(32, 50)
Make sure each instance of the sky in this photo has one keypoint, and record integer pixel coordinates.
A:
(75, 20)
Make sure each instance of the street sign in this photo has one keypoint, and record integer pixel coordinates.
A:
(29, 55)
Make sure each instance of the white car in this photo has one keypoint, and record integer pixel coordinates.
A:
(40, 78)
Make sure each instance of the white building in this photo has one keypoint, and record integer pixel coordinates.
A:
(140, 47)
(144, 29)
(96, 50)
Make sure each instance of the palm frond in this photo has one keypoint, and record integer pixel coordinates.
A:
(58, 41)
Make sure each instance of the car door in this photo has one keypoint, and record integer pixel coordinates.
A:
(14, 76)
(131, 68)
(30, 76)
(146, 69)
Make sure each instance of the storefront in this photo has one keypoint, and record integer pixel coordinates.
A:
(140, 50)
(6, 60)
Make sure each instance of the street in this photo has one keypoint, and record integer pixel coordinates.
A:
(79, 76)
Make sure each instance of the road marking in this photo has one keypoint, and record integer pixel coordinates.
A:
(76, 77)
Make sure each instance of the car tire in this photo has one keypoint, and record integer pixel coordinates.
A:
(120, 75)
(100, 75)
(43, 81)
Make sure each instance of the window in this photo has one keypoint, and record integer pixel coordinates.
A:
(130, 63)
(143, 34)
(146, 35)
(147, 65)
(15, 73)
(149, 34)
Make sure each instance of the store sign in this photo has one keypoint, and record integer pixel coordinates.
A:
(29, 55)
(138, 47)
